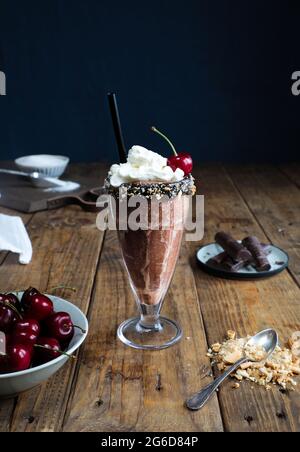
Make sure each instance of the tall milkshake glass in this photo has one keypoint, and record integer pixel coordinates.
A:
(150, 252)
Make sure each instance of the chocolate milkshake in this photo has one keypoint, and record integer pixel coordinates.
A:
(150, 250)
(150, 257)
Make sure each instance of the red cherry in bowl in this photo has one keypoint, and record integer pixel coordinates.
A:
(28, 294)
(3, 364)
(7, 318)
(60, 326)
(46, 349)
(181, 160)
(10, 298)
(25, 332)
(18, 357)
(36, 305)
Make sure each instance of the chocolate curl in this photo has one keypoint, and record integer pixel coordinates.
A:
(223, 261)
(218, 258)
(254, 246)
(233, 266)
(235, 249)
(214, 263)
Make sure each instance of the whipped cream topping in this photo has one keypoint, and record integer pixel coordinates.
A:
(143, 165)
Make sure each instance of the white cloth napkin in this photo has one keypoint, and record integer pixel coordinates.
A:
(14, 237)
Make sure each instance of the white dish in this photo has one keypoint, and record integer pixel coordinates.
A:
(17, 382)
(47, 165)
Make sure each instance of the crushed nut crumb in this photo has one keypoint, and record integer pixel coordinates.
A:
(280, 368)
(216, 347)
(231, 334)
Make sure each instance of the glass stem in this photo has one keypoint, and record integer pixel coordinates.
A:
(150, 317)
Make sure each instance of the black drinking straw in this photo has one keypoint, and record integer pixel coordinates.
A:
(117, 126)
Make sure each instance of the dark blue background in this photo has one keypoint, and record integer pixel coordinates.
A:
(215, 75)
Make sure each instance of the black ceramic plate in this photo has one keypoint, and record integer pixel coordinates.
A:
(278, 259)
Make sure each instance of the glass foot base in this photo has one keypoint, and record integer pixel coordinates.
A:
(134, 335)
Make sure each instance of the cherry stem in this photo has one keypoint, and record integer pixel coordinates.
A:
(13, 308)
(154, 129)
(81, 329)
(58, 351)
(63, 287)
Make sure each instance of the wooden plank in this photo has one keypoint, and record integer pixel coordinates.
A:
(275, 202)
(6, 411)
(246, 307)
(116, 388)
(292, 171)
(66, 246)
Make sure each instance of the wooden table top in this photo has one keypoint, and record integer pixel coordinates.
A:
(114, 388)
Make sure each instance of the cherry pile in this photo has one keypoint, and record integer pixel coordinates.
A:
(35, 334)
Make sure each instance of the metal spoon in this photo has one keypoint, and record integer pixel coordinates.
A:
(268, 339)
(35, 178)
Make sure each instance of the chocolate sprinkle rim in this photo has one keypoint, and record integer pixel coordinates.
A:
(185, 186)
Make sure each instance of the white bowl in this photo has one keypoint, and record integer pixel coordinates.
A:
(47, 165)
(16, 382)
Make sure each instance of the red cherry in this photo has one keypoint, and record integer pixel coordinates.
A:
(182, 160)
(12, 299)
(31, 325)
(3, 364)
(25, 332)
(46, 349)
(28, 294)
(7, 318)
(60, 326)
(36, 305)
(18, 357)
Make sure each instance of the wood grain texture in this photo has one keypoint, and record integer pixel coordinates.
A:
(116, 388)
(66, 246)
(292, 171)
(275, 202)
(246, 307)
(6, 411)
